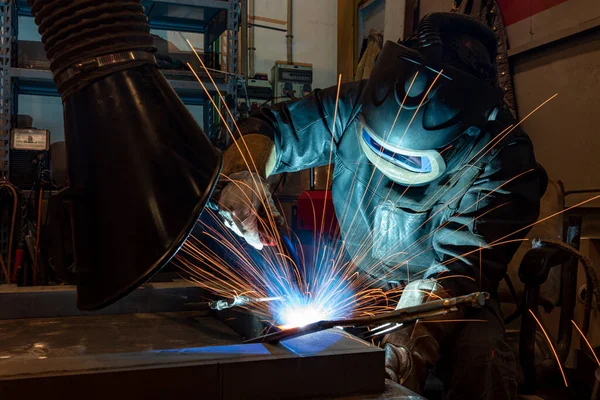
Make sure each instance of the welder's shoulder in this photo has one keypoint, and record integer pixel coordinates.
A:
(509, 127)
(323, 107)
(347, 102)
(301, 114)
(512, 151)
(512, 165)
(349, 105)
(513, 138)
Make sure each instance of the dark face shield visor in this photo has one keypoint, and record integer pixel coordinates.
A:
(420, 164)
(404, 166)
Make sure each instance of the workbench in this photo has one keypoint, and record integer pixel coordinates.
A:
(179, 353)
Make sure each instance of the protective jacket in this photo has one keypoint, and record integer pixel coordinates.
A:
(463, 227)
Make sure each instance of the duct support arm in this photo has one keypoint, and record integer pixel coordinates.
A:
(290, 31)
(251, 48)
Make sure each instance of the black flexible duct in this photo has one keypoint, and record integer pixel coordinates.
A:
(75, 31)
(140, 169)
(587, 264)
(592, 283)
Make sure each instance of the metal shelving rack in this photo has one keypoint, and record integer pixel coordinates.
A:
(7, 40)
(8, 36)
(209, 17)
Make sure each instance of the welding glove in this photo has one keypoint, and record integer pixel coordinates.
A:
(245, 202)
(412, 351)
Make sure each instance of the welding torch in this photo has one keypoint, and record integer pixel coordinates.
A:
(239, 301)
(235, 301)
(404, 315)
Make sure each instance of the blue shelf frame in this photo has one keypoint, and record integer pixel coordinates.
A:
(196, 16)
(199, 16)
(209, 17)
(38, 82)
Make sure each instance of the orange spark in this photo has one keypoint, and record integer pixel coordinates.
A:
(588, 343)
(551, 346)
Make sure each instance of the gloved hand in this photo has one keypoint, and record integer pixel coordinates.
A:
(245, 202)
(247, 208)
(412, 351)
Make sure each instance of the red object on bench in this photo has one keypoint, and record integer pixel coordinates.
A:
(311, 206)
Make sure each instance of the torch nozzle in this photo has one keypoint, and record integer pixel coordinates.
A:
(238, 301)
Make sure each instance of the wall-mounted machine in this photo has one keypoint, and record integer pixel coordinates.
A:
(28, 153)
(253, 94)
(291, 81)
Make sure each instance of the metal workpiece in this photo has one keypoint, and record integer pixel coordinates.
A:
(327, 364)
(430, 309)
(43, 339)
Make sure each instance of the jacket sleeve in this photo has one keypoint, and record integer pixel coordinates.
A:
(499, 206)
(303, 130)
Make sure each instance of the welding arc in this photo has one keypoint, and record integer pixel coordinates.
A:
(403, 315)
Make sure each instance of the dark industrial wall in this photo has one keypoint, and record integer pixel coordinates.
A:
(566, 132)
(429, 6)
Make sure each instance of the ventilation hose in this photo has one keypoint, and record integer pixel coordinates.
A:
(76, 34)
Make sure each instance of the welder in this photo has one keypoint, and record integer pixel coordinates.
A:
(429, 184)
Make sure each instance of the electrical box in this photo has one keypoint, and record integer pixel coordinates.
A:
(28, 155)
(254, 94)
(291, 81)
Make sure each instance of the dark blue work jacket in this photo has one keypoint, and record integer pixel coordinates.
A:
(449, 227)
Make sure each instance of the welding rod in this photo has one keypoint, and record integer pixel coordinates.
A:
(409, 314)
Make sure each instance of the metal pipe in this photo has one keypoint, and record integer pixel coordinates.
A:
(6, 266)
(527, 338)
(38, 232)
(244, 38)
(581, 191)
(596, 387)
(290, 32)
(569, 291)
(251, 48)
(267, 27)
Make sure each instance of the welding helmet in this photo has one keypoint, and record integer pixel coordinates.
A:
(427, 99)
